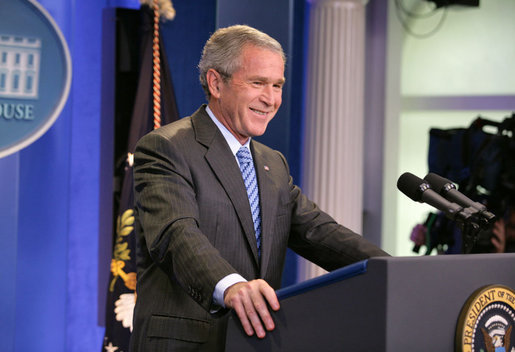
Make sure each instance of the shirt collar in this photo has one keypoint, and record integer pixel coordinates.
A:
(234, 144)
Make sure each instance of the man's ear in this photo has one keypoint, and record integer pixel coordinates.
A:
(214, 82)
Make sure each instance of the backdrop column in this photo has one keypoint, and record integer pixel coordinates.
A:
(333, 155)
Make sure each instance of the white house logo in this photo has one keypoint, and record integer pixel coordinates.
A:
(486, 321)
(35, 73)
(19, 67)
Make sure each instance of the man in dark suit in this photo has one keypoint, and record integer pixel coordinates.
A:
(204, 247)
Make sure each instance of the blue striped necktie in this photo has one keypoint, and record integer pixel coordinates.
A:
(249, 177)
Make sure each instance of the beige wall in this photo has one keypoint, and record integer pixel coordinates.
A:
(443, 81)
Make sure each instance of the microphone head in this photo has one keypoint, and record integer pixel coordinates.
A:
(412, 186)
(438, 183)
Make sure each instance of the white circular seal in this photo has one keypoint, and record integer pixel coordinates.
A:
(35, 73)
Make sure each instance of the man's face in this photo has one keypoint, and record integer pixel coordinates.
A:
(247, 102)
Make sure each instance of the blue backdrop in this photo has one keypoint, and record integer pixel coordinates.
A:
(50, 191)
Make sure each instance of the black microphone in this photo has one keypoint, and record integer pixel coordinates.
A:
(420, 191)
(447, 189)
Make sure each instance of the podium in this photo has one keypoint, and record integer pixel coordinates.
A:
(382, 304)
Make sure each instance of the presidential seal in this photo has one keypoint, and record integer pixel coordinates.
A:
(486, 321)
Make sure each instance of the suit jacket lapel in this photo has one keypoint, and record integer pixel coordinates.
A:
(224, 165)
(267, 198)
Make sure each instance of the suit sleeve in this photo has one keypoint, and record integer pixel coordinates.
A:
(316, 236)
(169, 218)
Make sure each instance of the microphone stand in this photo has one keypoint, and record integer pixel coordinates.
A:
(470, 235)
(472, 225)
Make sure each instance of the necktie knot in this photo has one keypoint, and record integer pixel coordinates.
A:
(243, 155)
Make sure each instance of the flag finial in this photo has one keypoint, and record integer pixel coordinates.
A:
(166, 9)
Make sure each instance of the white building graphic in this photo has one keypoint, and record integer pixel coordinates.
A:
(19, 66)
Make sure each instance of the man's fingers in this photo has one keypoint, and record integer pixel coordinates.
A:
(253, 311)
(240, 310)
(259, 306)
(270, 296)
(248, 300)
(240, 298)
(499, 225)
(264, 291)
(499, 236)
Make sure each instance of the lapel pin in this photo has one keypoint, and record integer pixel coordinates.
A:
(267, 168)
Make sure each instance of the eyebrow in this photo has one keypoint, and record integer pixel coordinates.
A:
(264, 79)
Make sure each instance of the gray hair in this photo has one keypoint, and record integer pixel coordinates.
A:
(222, 52)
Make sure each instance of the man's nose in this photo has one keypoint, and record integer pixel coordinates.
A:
(268, 95)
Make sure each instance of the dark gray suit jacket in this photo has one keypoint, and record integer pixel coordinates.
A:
(194, 227)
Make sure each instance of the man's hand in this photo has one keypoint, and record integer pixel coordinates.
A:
(248, 300)
(499, 236)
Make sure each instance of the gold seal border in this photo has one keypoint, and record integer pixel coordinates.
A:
(472, 309)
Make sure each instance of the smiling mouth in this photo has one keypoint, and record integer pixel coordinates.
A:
(259, 112)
